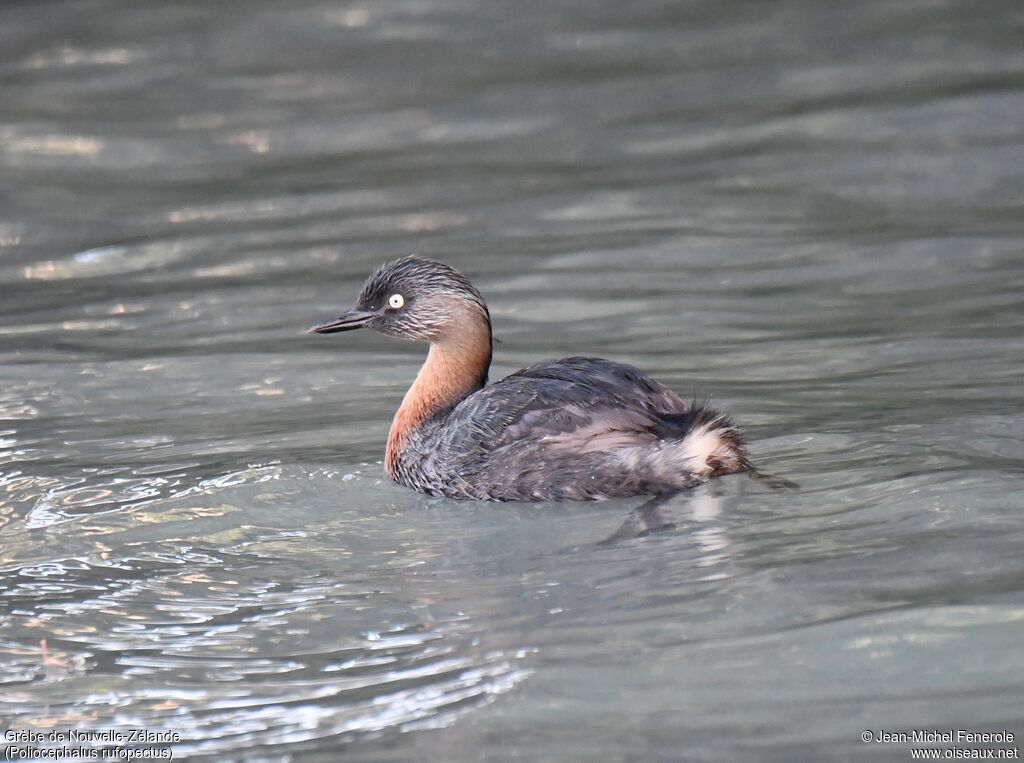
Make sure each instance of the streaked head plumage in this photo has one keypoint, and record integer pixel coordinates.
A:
(413, 298)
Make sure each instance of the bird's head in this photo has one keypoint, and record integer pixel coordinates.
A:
(414, 298)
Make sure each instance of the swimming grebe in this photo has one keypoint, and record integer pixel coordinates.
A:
(571, 429)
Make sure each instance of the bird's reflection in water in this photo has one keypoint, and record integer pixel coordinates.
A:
(649, 517)
(710, 537)
(656, 515)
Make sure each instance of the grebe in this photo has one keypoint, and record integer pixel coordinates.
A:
(571, 429)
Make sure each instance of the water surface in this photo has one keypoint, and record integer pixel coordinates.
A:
(811, 213)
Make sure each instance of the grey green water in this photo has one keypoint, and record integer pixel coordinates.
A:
(813, 213)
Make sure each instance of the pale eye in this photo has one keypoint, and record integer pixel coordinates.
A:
(395, 301)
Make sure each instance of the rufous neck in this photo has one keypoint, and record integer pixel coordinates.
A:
(456, 367)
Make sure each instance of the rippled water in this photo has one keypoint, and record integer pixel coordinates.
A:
(813, 212)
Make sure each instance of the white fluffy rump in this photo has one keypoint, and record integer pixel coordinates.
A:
(710, 448)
